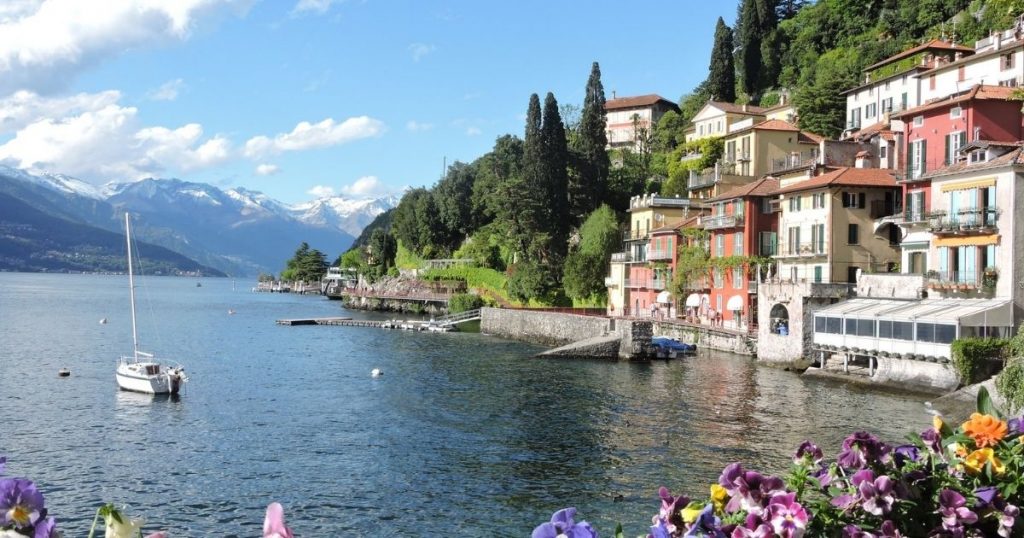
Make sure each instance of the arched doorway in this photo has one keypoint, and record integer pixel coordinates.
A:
(778, 322)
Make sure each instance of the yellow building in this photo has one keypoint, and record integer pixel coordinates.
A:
(751, 151)
(831, 226)
(718, 119)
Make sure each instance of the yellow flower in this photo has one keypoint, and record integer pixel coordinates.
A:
(690, 513)
(986, 430)
(937, 423)
(975, 461)
(958, 449)
(718, 497)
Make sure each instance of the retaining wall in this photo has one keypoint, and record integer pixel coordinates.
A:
(544, 328)
(707, 337)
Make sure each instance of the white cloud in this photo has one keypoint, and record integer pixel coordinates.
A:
(364, 186)
(473, 131)
(306, 135)
(44, 44)
(416, 126)
(317, 6)
(168, 91)
(419, 50)
(92, 136)
(321, 191)
(23, 107)
(267, 169)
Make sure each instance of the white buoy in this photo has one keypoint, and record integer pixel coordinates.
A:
(376, 372)
(103, 321)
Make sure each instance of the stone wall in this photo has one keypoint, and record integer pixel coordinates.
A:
(544, 328)
(707, 337)
(890, 286)
(801, 300)
(930, 377)
(407, 306)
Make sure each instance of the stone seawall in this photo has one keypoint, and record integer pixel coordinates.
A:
(707, 337)
(408, 306)
(544, 328)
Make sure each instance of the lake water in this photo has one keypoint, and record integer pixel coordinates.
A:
(464, 435)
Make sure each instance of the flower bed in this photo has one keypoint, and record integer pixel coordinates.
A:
(962, 482)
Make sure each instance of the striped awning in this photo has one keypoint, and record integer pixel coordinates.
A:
(979, 240)
(973, 184)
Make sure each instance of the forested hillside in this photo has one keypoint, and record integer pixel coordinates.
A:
(529, 207)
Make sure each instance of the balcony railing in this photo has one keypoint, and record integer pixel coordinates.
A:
(610, 282)
(954, 281)
(635, 235)
(721, 221)
(809, 249)
(622, 257)
(711, 176)
(647, 283)
(794, 160)
(980, 220)
(659, 255)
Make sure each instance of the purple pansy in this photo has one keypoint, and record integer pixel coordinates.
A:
(953, 510)
(1007, 519)
(21, 504)
(786, 516)
(932, 441)
(1015, 426)
(562, 524)
(875, 494)
(749, 490)
(906, 453)
(669, 516)
(46, 528)
(3, 463)
(707, 524)
(862, 449)
(753, 527)
(807, 452)
(985, 496)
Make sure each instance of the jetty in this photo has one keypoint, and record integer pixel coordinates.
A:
(441, 324)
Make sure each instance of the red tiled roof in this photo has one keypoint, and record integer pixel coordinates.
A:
(862, 154)
(761, 187)
(690, 222)
(733, 108)
(979, 91)
(636, 102)
(935, 44)
(810, 138)
(852, 177)
(869, 131)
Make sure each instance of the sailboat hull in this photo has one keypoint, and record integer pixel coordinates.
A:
(149, 378)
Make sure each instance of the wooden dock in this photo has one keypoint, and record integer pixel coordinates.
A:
(443, 324)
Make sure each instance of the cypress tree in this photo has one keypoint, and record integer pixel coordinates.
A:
(556, 175)
(749, 35)
(722, 71)
(588, 184)
(533, 216)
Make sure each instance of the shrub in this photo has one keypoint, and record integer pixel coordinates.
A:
(461, 302)
(972, 356)
(1010, 384)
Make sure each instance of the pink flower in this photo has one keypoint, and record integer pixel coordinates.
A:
(273, 524)
(786, 516)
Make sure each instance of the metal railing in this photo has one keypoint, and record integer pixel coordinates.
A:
(794, 160)
(622, 257)
(967, 278)
(812, 248)
(721, 221)
(635, 235)
(659, 254)
(647, 283)
(964, 220)
(710, 176)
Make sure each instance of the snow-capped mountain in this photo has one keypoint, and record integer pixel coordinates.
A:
(349, 216)
(239, 231)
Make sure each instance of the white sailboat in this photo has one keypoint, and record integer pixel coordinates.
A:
(141, 371)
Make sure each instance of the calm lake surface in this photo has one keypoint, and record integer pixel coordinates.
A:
(464, 435)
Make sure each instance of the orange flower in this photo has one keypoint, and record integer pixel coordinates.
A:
(986, 430)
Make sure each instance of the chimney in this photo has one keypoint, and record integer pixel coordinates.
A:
(998, 40)
(958, 55)
(613, 94)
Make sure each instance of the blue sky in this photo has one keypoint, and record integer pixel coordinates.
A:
(305, 98)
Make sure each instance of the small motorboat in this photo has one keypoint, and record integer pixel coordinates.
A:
(103, 321)
(376, 372)
(670, 348)
(64, 372)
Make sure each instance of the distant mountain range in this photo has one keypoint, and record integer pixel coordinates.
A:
(235, 231)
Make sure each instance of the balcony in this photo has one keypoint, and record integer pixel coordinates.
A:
(853, 125)
(721, 221)
(657, 255)
(622, 257)
(801, 250)
(636, 235)
(711, 176)
(647, 283)
(964, 221)
(959, 281)
(794, 160)
(610, 282)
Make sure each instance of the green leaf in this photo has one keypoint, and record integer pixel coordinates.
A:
(985, 405)
(618, 531)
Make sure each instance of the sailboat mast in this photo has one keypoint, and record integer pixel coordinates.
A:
(131, 284)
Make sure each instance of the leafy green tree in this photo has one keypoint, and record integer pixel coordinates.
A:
(381, 251)
(670, 132)
(453, 198)
(589, 183)
(308, 264)
(588, 261)
(821, 103)
(416, 222)
(721, 83)
(691, 103)
(528, 280)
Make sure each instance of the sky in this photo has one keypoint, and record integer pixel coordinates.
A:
(302, 99)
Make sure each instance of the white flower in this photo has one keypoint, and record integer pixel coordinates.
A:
(126, 528)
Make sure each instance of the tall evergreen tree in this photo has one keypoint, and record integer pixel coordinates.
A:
(589, 182)
(756, 24)
(722, 71)
(556, 176)
(534, 215)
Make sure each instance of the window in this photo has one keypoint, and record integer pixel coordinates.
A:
(939, 333)
(896, 330)
(794, 203)
(834, 325)
(719, 126)
(866, 327)
(854, 118)
(700, 129)
(916, 158)
(887, 84)
(817, 273)
(737, 277)
(955, 112)
(766, 205)
(961, 73)
(716, 275)
(854, 200)
(851, 326)
(737, 244)
(794, 240)
(1006, 61)
(1009, 83)
(978, 156)
(954, 141)
(883, 151)
(818, 238)
(720, 245)
(853, 236)
(818, 200)
(887, 102)
(870, 110)
(918, 121)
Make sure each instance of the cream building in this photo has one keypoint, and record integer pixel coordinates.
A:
(719, 119)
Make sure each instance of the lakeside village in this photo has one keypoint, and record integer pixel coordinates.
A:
(875, 257)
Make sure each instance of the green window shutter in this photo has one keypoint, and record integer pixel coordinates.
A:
(924, 157)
